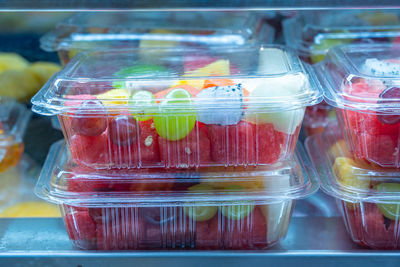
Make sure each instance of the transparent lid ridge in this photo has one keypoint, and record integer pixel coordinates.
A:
(270, 184)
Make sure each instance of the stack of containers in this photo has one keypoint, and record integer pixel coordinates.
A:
(109, 30)
(360, 164)
(313, 33)
(191, 146)
(191, 149)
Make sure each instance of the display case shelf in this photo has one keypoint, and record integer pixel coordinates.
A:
(25, 5)
(313, 241)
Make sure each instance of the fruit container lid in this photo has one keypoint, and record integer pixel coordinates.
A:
(14, 118)
(364, 78)
(346, 178)
(317, 31)
(102, 30)
(267, 78)
(62, 181)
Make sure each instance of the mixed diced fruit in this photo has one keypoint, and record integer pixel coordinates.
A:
(190, 123)
(374, 135)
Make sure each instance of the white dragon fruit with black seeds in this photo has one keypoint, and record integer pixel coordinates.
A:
(222, 105)
(376, 67)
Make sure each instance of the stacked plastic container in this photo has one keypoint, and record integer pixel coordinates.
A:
(313, 33)
(116, 30)
(190, 146)
(151, 30)
(359, 164)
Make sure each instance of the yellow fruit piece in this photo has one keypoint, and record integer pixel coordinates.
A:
(345, 170)
(12, 61)
(44, 70)
(380, 18)
(31, 209)
(220, 182)
(339, 149)
(217, 68)
(19, 84)
(116, 94)
(158, 43)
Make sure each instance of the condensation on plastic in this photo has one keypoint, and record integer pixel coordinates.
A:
(14, 118)
(102, 31)
(365, 117)
(250, 208)
(354, 184)
(264, 119)
(313, 33)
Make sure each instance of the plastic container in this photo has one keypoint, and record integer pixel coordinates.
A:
(102, 31)
(187, 109)
(367, 196)
(313, 33)
(240, 208)
(362, 81)
(14, 118)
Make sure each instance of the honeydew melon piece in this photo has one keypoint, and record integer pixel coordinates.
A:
(118, 94)
(275, 88)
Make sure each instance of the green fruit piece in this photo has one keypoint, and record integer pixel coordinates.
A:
(143, 104)
(319, 50)
(201, 213)
(237, 212)
(175, 119)
(390, 211)
(139, 71)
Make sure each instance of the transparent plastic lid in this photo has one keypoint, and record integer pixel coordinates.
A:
(62, 181)
(14, 118)
(349, 179)
(263, 78)
(364, 77)
(318, 31)
(99, 30)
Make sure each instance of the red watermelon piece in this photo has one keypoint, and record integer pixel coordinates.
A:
(90, 151)
(371, 228)
(233, 145)
(191, 151)
(81, 228)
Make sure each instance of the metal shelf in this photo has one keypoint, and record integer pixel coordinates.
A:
(312, 241)
(25, 5)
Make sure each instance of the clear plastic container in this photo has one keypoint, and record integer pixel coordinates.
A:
(362, 82)
(186, 109)
(105, 30)
(313, 33)
(14, 118)
(239, 208)
(367, 196)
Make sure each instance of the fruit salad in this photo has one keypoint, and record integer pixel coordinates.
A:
(191, 110)
(367, 196)
(367, 102)
(187, 209)
(102, 31)
(14, 118)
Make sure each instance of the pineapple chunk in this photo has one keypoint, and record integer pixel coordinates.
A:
(116, 94)
(345, 170)
(217, 68)
(44, 70)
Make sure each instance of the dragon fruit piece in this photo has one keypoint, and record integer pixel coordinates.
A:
(222, 105)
